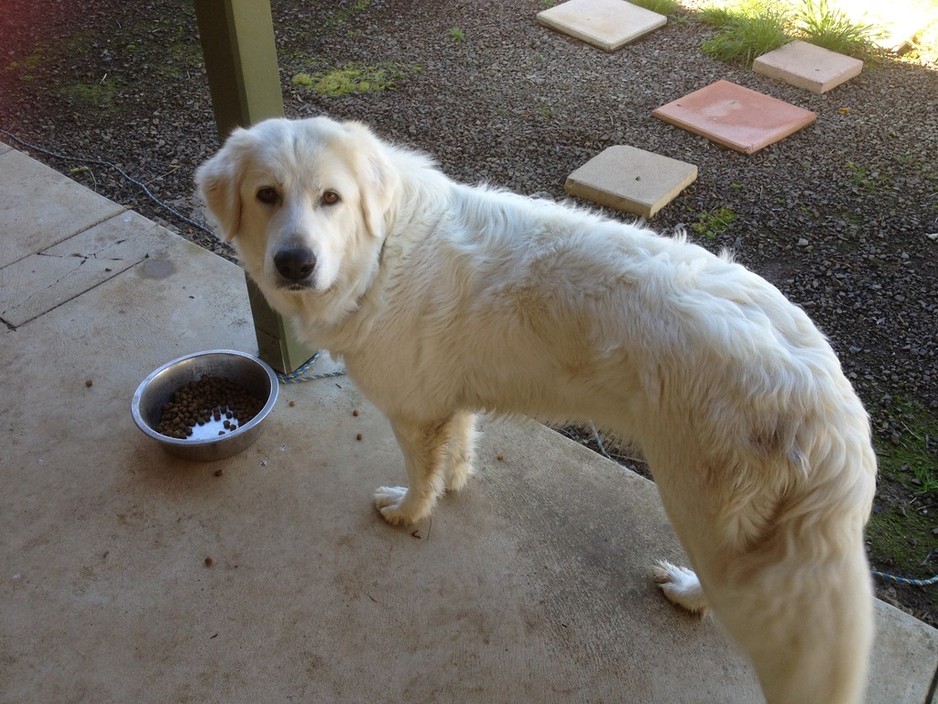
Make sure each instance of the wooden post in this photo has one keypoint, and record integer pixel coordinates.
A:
(241, 62)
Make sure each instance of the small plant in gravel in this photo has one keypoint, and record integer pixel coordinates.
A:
(830, 28)
(352, 78)
(456, 34)
(662, 7)
(24, 68)
(745, 33)
(864, 179)
(347, 11)
(750, 28)
(902, 532)
(714, 222)
(911, 454)
(99, 95)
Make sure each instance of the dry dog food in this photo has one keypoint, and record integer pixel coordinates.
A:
(212, 398)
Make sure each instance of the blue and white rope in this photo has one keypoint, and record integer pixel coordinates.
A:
(299, 374)
(906, 580)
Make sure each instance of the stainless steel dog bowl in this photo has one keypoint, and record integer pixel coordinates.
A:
(154, 392)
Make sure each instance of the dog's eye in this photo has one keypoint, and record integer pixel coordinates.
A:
(330, 198)
(268, 195)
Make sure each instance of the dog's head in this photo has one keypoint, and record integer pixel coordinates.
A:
(306, 203)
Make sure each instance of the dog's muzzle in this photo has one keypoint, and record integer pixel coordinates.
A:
(295, 265)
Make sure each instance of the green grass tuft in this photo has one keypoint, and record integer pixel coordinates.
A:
(714, 222)
(353, 78)
(830, 28)
(749, 28)
(742, 39)
(662, 7)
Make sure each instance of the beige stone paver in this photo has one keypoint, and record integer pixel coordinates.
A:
(807, 66)
(607, 24)
(630, 179)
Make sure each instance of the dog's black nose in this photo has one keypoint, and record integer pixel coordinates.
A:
(295, 263)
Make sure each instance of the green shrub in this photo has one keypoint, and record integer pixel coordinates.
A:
(830, 28)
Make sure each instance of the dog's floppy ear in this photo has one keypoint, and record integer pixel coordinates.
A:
(379, 179)
(219, 183)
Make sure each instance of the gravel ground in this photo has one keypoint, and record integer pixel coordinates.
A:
(838, 216)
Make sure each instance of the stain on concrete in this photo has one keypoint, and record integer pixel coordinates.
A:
(157, 269)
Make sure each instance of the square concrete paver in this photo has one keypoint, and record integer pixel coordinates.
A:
(630, 179)
(40, 282)
(28, 225)
(736, 117)
(807, 66)
(607, 24)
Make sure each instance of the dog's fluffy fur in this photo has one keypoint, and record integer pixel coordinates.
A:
(445, 300)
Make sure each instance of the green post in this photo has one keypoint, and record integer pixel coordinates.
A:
(241, 63)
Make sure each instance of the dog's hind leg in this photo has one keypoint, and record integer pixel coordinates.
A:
(681, 586)
(425, 446)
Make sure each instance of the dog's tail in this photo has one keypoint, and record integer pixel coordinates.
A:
(798, 592)
(773, 521)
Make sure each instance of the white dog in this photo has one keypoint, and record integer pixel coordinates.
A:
(490, 301)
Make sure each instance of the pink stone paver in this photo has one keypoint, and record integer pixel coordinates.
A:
(736, 117)
(606, 24)
(807, 66)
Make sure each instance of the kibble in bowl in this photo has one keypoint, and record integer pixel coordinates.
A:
(206, 406)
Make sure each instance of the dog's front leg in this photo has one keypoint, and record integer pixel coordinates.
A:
(425, 446)
(457, 466)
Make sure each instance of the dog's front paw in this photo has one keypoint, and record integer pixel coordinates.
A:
(681, 586)
(390, 502)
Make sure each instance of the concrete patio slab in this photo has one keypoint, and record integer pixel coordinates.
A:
(606, 24)
(39, 282)
(67, 208)
(4, 148)
(736, 117)
(631, 180)
(807, 66)
(130, 575)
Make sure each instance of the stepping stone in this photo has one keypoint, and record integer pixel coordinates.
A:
(607, 24)
(631, 180)
(735, 117)
(808, 66)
